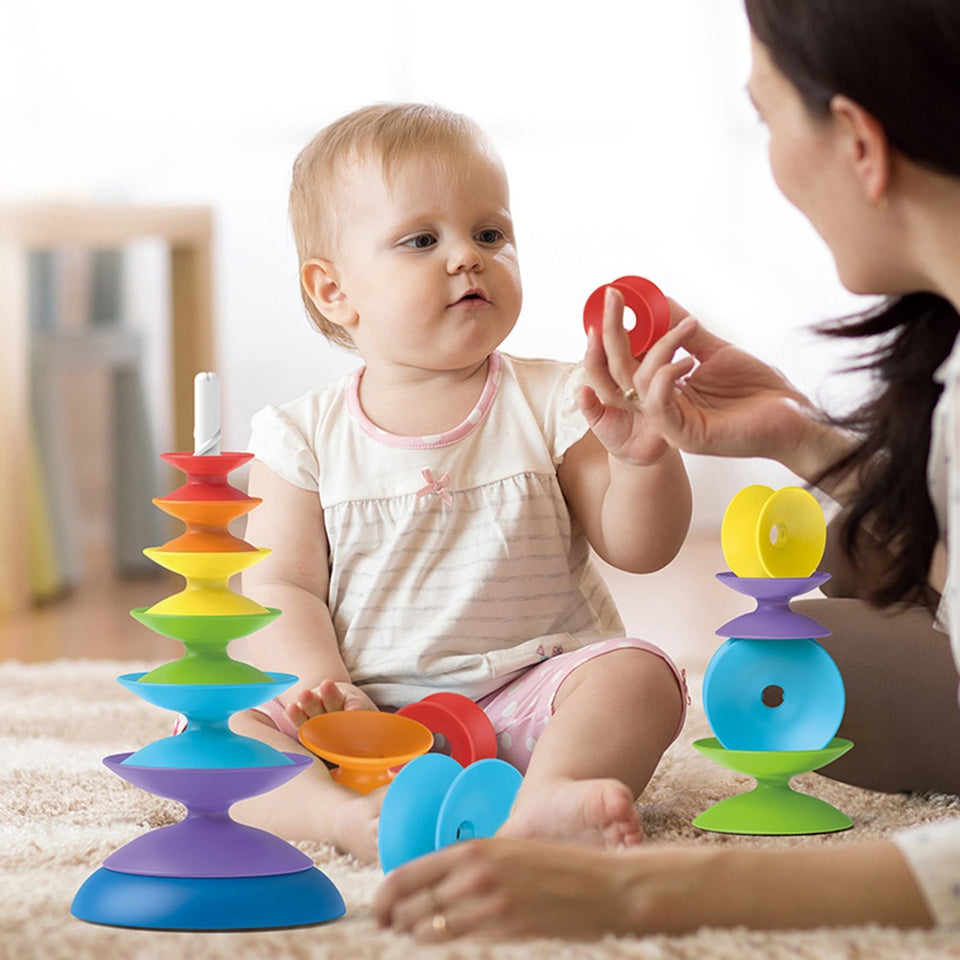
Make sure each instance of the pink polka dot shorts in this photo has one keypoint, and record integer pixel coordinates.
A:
(520, 710)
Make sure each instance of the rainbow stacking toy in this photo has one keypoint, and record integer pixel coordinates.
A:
(773, 696)
(207, 872)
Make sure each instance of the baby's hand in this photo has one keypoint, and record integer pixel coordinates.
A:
(328, 697)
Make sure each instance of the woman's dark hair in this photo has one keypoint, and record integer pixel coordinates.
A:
(900, 60)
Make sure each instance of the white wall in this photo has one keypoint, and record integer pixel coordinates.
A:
(625, 127)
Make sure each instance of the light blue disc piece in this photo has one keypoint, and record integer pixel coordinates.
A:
(408, 816)
(773, 695)
(478, 802)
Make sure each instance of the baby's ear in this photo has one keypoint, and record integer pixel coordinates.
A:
(321, 284)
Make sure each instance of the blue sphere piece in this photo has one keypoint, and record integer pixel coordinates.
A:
(773, 695)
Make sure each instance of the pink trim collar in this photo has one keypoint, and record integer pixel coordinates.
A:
(490, 388)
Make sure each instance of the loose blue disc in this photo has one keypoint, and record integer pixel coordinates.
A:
(408, 817)
(773, 695)
(478, 802)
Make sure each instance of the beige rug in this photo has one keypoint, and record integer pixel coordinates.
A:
(62, 813)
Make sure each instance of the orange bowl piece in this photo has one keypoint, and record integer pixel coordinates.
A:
(367, 745)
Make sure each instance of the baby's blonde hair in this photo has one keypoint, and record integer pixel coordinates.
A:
(394, 132)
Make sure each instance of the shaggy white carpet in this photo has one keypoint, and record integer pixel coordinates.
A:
(62, 813)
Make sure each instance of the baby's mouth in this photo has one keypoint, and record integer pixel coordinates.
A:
(473, 296)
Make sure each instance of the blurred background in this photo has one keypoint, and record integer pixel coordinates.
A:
(627, 134)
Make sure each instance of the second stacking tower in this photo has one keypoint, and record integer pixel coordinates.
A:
(773, 696)
(207, 872)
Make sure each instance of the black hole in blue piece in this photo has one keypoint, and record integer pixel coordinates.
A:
(772, 696)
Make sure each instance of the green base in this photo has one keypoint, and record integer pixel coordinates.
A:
(773, 808)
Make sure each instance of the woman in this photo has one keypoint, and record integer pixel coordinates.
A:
(860, 101)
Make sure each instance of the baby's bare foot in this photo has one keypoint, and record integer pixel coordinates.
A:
(355, 824)
(595, 813)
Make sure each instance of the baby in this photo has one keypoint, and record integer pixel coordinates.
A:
(431, 514)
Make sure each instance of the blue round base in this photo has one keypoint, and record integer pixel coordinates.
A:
(189, 903)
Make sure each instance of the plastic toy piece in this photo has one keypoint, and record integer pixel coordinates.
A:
(208, 843)
(773, 534)
(478, 802)
(738, 531)
(773, 695)
(408, 817)
(773, 619)
(434, 802)
(208, 903)
(205, 639)
(207, 872)
(207, 742)
(791, 533)
(207, 475)
(772, 808)
(207, 524)
(367, 745)
(207, 592)
(460, 721)
(645, 299)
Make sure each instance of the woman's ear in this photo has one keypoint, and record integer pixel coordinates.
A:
(321, 282)
(867, 145)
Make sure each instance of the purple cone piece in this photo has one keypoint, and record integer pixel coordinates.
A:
(773, 619)
(208, 843)
(205, 845)
(207, 790)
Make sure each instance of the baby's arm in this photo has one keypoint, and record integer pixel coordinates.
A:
(625, 484)
(295, 578)
(635, 513)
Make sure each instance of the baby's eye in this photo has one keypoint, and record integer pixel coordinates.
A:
(489, 235)
(421, 241)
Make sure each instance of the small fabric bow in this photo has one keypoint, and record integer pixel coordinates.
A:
(437, 487)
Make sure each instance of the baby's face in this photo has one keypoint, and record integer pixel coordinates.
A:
(427, 261)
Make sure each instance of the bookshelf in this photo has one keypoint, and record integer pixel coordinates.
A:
(187, 234)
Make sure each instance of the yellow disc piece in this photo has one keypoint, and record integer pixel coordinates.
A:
(738, 532)
(207, 601)
(791, 533)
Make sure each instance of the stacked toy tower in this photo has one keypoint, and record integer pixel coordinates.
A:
(773, 696)
(207, 872)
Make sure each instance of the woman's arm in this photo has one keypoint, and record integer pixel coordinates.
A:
(526, 889)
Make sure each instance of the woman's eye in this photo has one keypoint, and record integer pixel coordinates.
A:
(490, 235)
(420, 242)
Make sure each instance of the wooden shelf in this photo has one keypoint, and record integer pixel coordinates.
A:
(187, 232)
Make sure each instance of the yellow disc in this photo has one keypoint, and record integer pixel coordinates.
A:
(738, 532)
(206, 566)
(791, 533)
(207, 602)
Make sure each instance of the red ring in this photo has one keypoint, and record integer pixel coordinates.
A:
(465, 726)
(645, 299)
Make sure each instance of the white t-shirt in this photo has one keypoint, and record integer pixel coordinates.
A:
(454, 561)
(933, 851)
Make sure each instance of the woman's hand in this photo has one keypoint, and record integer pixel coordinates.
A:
(613, 402)
(718, 400)
(328, 697)
(508, 890)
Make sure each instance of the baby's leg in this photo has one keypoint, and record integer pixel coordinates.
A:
(311, 806)
(614, 715)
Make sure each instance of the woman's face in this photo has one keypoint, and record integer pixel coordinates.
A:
(812, 159)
